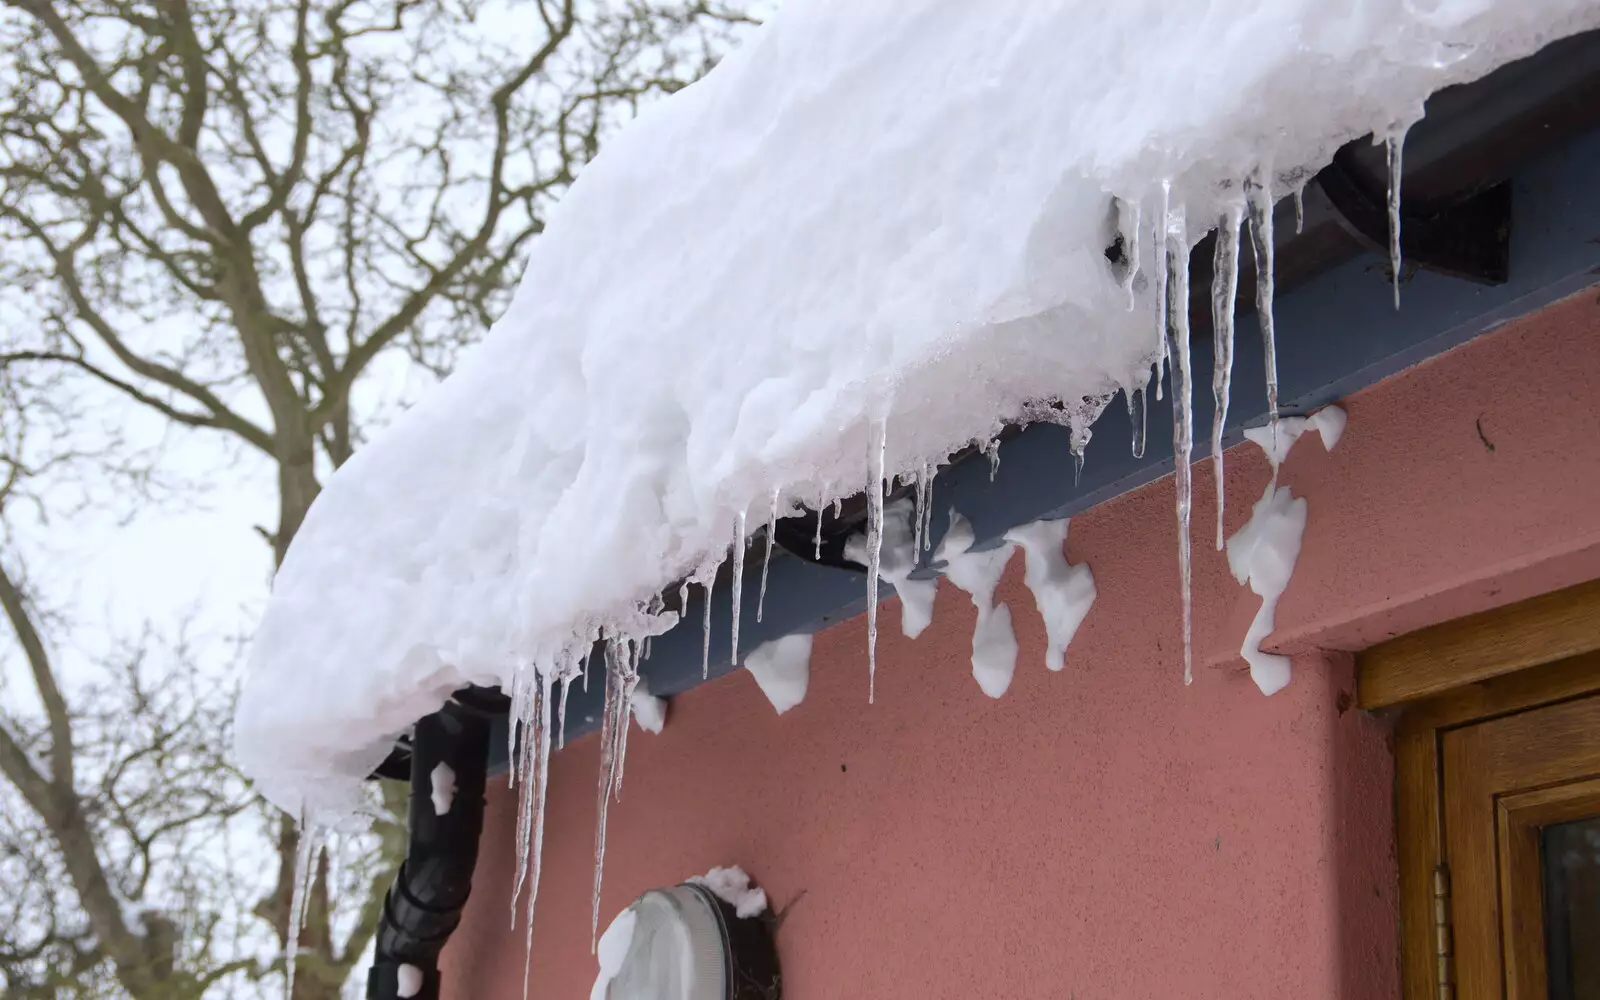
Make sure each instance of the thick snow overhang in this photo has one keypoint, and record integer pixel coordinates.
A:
(1530, 129)
(910, 223)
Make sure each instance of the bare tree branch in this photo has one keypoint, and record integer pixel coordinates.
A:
(228, 214)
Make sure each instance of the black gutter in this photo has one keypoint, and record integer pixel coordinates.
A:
(424, 905)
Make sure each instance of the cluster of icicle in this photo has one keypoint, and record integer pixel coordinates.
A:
(1167, 234)
(1250, 212)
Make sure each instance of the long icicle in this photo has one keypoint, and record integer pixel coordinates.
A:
(739, 528)
(932, 471)
(1258, 194)
(1394, 145)
(1224, 298)
(613, 718)
(766, 562)
(304, 858)
(874, 551)
(919, 485)
(628, 661)
(705, 638)
(1137, 414)
(1158, 227)
(540, 780)
(526, 697)
(822, 502)
(1177, 255)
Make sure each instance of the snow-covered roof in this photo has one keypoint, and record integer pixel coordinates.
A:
(871, 236)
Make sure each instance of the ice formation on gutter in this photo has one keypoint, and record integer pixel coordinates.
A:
(1262, 553)
(874, 235)
(897, 557)
(994, 642)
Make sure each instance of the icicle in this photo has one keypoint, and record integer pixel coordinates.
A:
(518, 684)
(1137, 416)
(304, 860)
(1128, 224)
(1224, 296)
(1163, 268)
(993, 451)
(538, 782)
(838, 505)
(614, 717)
(822, 502)
(917, 502)
(1078, 444)
(932, 472)
(1177, 263)
(874, 551)
(521, 767)
(738, 585)
(1299, 210)
(1394, 144)
(1259, 197)
(766, 563)
(705, 641)
(628, 673)
(531, 764)
(621, 678)
(653, 609)
(566, 685)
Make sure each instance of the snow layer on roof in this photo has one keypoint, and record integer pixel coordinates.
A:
(872, 214)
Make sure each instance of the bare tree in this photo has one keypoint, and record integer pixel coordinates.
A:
(130, 849)
(230, 215)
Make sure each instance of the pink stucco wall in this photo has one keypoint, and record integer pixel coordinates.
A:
(1105, 831)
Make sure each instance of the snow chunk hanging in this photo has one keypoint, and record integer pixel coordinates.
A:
(879, 222)
(994, 642)
(1062, 592)
(1262, 553)
(648, 711)
(782, 669)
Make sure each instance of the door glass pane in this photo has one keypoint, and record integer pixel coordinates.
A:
(1571, 860)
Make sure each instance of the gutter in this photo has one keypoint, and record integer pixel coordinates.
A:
(449, 756)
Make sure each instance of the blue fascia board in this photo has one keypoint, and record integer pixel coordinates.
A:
(1337, 333)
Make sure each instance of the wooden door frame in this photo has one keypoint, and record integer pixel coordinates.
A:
(1510, 659)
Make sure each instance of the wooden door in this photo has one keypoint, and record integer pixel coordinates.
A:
(1521, 822)
(1497, 799)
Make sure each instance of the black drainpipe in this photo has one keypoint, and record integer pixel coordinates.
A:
(424, 905)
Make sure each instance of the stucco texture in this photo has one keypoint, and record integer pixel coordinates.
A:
(1105, 831)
